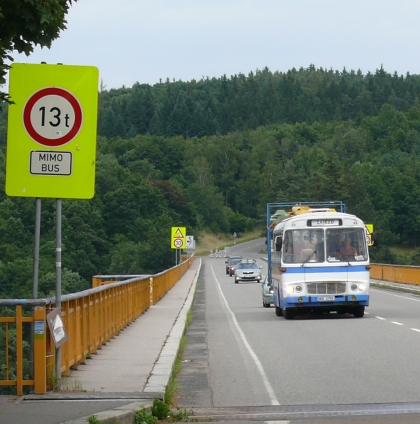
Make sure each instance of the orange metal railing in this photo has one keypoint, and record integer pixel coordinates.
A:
(91, 318)
(396, 273)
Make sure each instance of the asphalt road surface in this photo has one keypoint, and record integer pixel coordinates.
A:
(243, 362)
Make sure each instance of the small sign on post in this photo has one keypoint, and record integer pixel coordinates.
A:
(178, 237)
(56, 326)
(190, 243)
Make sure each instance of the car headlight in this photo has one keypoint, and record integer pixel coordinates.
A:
(271, 291)
(298, 289)
(362, 287)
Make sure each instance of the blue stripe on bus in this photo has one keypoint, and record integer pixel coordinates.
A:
(360, 299)
(325, 269)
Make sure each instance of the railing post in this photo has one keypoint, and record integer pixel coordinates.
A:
(19, 351)
(40, 351)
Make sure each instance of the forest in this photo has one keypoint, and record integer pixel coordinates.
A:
(209, 154)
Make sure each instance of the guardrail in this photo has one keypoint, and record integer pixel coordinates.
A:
(90, 318)
(397, 273)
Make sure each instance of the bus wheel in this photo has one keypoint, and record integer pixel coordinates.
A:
(288, 314)
(358, 311)
(279, 312)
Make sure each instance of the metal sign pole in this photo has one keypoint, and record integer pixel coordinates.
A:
(58, 285)
(36, 248)
(36, 271)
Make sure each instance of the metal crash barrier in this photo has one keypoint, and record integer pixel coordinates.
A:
(90, 318)
(396, 273)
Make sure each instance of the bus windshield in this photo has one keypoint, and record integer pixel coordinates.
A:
(320, 245)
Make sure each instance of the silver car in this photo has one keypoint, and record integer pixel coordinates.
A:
(267, 292)
(247, 270)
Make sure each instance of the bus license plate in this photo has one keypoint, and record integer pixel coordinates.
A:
(326, 298)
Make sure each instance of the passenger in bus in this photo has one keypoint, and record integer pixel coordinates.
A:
(347, 249)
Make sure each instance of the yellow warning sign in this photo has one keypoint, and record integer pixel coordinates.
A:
(178, 237)
(369, 233)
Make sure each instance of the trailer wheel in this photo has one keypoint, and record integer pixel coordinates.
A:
(358, 311)
(278, 311)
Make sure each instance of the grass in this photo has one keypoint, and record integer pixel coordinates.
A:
(208, 241)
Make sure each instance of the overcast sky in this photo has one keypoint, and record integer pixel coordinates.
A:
(145, 40)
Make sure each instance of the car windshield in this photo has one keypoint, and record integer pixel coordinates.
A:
(243, 265)
(235, 261)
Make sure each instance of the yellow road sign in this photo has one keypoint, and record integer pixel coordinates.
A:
(51, 135)
(369, 232)
(178, 237)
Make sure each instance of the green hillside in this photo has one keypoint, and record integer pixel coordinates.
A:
(209, 155)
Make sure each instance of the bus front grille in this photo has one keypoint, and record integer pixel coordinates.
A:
(327, 288)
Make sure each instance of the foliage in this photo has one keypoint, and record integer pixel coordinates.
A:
(26, 24)
(320, 135)
(160, 409)
(144, 417)
(239, 103)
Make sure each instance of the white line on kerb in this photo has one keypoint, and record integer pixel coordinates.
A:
(276, 422)
(258, 364)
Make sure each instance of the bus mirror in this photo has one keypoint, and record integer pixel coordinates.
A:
(278, 243)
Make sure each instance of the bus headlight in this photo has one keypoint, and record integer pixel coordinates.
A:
(358, 287)
(293, 289)
(290, 289)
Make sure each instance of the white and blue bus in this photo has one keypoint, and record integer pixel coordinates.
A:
(319, 263)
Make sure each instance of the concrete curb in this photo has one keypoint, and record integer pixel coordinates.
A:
(163, 368)
(161, 372)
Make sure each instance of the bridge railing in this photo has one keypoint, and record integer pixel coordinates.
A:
(405, 274)
(90, 318)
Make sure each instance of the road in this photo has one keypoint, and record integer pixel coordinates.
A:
(247, 362)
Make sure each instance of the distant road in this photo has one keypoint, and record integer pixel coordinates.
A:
(256, 359)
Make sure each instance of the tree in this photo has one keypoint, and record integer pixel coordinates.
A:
(26, 24)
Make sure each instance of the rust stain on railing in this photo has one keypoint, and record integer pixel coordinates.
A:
(91, 319)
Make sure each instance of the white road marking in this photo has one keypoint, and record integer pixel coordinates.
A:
(257, 362)
(276, 422)
(415, 329)
(396, 323)
(383, 319)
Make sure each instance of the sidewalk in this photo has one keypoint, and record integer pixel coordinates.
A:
(124, 376)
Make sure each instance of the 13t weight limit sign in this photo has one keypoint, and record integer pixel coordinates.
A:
(52, 117)
(51, 136)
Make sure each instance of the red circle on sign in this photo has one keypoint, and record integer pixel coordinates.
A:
(52, 91)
